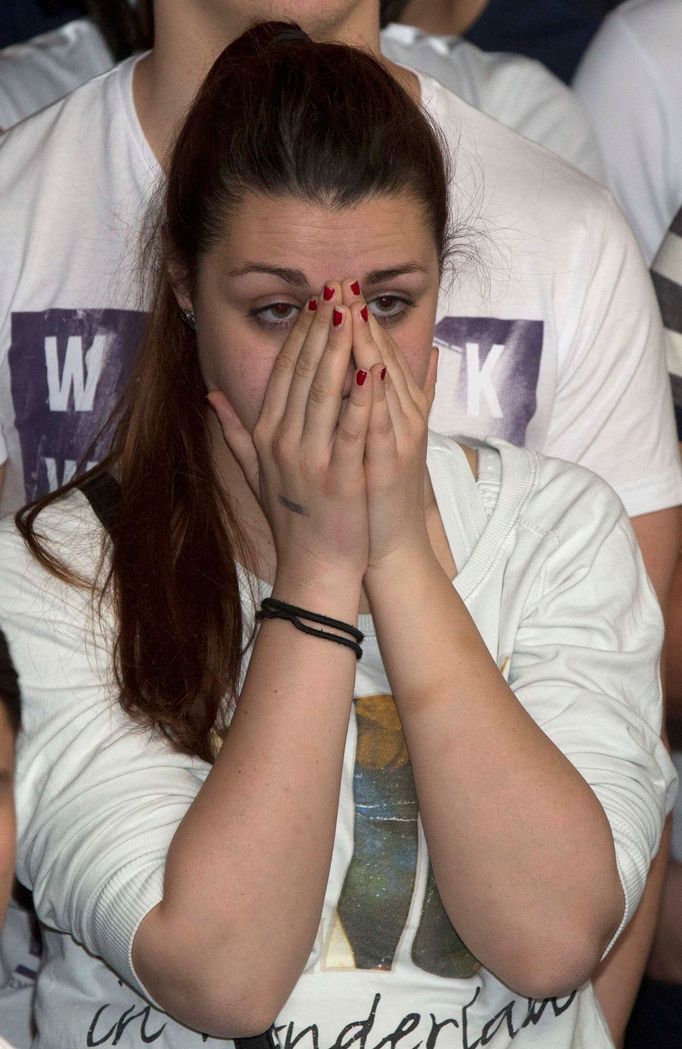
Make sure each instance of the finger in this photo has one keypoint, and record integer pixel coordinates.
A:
(351, 292)
(431, 376)
(325, 327)
(402, 384)
(325, 394)
(277, 390)
(237, 437)
(381, 438)
(351, 433)
(366, 349)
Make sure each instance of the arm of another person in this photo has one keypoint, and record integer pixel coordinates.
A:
(618, 978)
(613, 413)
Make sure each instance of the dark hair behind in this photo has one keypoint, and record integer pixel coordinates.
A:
(279, 115)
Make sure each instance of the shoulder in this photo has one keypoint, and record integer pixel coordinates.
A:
(40, 71)
(514, 89)
(647, 29)
(518, 183)
(68, 132)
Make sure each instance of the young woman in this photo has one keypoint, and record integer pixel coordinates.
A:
(234, 809)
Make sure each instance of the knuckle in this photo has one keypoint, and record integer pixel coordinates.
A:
(320, 392)
(305, 365)
(282, 445)
(283, 364)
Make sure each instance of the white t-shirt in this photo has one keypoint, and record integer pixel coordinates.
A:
(538, 542)
(554, 341)
(35, 73)
(518, 91)
(630, 83)
(515, 90)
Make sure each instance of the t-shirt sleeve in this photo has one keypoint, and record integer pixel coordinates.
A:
(612, 410)
(586, 667)
(98, 797)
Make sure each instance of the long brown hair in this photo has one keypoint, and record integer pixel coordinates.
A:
(278, 115)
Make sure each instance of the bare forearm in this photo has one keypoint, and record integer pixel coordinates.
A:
(505, 813)
(246, 872)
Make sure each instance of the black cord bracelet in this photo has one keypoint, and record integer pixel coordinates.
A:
(272, 609)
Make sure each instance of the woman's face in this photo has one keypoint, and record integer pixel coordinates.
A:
(7, 821)
(280, 252)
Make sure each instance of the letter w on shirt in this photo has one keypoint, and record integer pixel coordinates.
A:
(80, 374)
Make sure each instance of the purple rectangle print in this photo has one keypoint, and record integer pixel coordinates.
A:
(68, 368)
(490, 368)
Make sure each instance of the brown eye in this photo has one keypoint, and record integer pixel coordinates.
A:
(389, 307)
(276, 315)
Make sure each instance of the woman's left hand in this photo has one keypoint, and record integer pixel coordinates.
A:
(395, 449)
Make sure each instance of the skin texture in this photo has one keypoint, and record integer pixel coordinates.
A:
(443, 17)
(7, 819)
(298, 424)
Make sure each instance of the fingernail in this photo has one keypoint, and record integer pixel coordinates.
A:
(312, 304)
(328, 293)
(364, 313)
(382, 376)
(337, 317)
(360, 377)
(355, 287)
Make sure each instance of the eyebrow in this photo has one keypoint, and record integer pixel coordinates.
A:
(299, 279)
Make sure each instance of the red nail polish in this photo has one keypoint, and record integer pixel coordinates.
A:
(337, 317)
(328, 293)
(312, 304)
(355, 287)
(383, 374)
(360, 378)
(364, 313)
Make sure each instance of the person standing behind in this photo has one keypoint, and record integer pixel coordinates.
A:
(555, 32)
(518, 91)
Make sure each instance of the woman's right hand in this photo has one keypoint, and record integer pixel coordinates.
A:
(304, 460)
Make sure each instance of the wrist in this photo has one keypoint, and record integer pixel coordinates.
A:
(403, 562)
(331, 593)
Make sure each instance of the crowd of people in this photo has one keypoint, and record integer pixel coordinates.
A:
(340, 608)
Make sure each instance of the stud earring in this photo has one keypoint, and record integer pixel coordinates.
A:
(189, 319)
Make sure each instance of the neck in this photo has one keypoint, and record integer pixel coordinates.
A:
(443, 17)
(188, 37)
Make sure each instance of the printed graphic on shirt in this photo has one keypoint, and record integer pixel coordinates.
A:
(377, 895)
(68, 368)
(487, 375)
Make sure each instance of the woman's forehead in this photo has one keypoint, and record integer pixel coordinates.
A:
(317, 239)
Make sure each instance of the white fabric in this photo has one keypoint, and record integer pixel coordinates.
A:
(554, 581)
(518, 91)
(630, 83)
(35, 73)
(553, 340)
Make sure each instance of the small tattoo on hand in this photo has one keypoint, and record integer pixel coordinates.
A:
(295, 508)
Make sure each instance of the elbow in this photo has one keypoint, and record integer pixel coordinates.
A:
(562, 961)
(226, 1008)
(224, 993)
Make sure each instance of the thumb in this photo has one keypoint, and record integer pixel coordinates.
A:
(237, 438)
